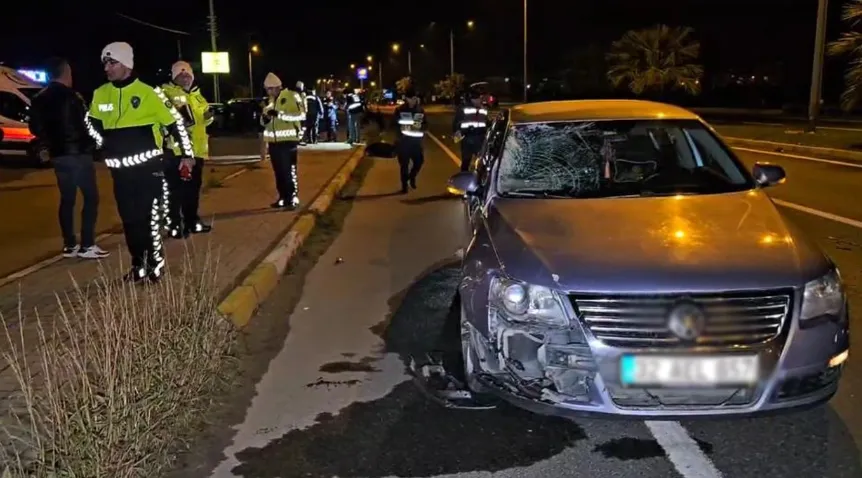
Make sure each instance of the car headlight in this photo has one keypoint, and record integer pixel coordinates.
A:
(528, 303)
(823, 297)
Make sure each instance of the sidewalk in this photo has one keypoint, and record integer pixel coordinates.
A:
(244, 228)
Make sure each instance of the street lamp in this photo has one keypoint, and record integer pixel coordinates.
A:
(470, 25)
(353, 66)
(396, 47)
(253, 49)
(369, 58)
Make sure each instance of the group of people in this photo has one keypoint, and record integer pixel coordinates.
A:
(152, 139)
(154, 142)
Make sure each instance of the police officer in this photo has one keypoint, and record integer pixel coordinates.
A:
(314, 112)
(282, 122)
(300, 88)
(127, 116)
(185, 185)
(353, 107)
(411, 130)
(469, 127)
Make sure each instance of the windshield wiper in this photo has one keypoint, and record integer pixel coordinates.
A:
(543, 193)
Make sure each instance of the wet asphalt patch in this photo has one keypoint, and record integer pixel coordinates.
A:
(638, 449)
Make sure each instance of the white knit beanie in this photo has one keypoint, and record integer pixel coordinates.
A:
(271, 81)
(120, 52)
(181, 67)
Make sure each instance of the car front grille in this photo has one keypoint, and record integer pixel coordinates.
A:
(642, 321)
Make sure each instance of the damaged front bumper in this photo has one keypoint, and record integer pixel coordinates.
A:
(566, 371)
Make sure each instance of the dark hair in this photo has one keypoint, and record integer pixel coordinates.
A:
(55, 67)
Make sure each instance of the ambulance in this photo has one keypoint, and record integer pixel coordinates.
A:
(17, 89)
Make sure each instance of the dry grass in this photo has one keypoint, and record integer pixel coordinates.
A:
(124, 374)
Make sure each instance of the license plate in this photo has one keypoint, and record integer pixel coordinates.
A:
(681, 371)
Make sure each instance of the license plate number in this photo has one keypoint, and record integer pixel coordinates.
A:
(701, 371)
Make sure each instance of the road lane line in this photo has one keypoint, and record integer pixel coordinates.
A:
(823, 214)
(455, 159)
(797, 156)
(685, 454)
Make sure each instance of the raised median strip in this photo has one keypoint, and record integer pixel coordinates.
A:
(243, 301)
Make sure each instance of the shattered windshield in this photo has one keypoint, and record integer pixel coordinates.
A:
(617, 158)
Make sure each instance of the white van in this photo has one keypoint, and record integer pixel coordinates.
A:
(16, 92)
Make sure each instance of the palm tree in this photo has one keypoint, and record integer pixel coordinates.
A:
(654, 59)
(850, 44)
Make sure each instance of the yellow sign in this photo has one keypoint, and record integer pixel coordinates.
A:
(215, 62)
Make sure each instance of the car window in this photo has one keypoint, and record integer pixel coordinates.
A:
(617, 158)
(490, 150)
(13, 107)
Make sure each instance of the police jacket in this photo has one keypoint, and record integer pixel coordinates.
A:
(411, 122)
(196, 114)
(353, 103)
(58, 120)
(282, 118)
(127, 119)
(470, 121)
(314, 106)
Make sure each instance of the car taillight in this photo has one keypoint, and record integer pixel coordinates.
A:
(490, 98)
(17, 134)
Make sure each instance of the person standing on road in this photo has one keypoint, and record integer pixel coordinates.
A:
(314, 111)
(282, 121)
(411, 131)
(58, 119)
(129, 116)
(353, 107)
(331, 117)
(300, 88)
(185, 184)
(469, 127)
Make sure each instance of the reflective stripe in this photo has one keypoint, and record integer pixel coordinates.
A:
(415, 134)
(473, 124)
(166, 199)
(185, 141)
(132, 160)
(353, 106)
(284, 133)
(91, 130)
(406, 122)
(471, 111)
(156, 252)
(287, 117)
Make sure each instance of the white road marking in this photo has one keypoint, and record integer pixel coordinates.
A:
(823, 214)
(798, 156)
(687, 457)
(455, 159)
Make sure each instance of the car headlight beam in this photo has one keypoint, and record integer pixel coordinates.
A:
(823, 297)
(528, 303)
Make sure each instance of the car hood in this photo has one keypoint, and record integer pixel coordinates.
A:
(734, 241)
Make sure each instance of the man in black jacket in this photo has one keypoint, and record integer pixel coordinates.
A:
(58, 119)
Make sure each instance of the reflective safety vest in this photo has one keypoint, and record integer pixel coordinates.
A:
(287, 124)
(472, 121)
(411, 123)
(193, 107)
(354, 103)
(129, 120)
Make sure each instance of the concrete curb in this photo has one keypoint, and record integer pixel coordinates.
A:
(789, 148)
(243, 301)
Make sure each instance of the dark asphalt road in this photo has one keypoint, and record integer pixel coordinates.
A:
(335, 401)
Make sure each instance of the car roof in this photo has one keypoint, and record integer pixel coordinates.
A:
(585, 110)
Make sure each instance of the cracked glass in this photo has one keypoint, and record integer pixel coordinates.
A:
(617, 158)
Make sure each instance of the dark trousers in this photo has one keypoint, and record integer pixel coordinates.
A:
(332, 128)
(138, 191)
(76, 172)
(470, 147)
(353, 127)
(410, 151)
(184, 197)
(283, 155)
(312, 128)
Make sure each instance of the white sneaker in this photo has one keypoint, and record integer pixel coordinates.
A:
(93, 252)
(70, 252)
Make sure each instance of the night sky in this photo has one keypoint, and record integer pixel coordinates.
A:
(309, 39)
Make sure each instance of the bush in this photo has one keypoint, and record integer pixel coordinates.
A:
(124, 376)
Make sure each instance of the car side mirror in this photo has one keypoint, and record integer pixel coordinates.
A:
(768, 174)
(381, 150)
(464, 183)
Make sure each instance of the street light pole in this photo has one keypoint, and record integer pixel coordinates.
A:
(380, 72)
(451, 53)
(817, 66)
(212, 25)
(409, 63)
(525, 50)
(250, 76)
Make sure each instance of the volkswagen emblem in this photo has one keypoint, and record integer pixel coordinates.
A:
(687, 321)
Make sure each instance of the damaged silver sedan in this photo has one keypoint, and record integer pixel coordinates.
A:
(623, 262)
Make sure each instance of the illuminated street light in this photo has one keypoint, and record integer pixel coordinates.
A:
(254, 49)
(422, 46)
(396, 47)
(369, 58)
(471, 24)
(373, 84)
(352, 66)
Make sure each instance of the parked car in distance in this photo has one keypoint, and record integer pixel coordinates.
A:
(621, 261)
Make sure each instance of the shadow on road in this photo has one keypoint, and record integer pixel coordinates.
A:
(404, 433)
